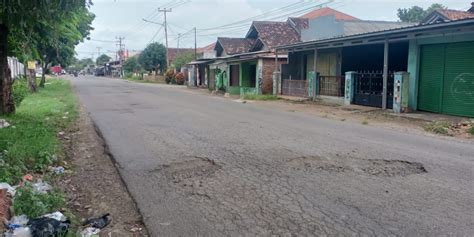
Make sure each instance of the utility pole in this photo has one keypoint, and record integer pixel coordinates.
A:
(121, 45)
(164, 10)
(179, 36)
(195, 44)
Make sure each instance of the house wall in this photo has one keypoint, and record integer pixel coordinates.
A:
(414, 60)
(322, 27)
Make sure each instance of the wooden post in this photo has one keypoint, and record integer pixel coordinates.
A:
(385, 75)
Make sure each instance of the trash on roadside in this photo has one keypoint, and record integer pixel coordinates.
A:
(27, 177)
(41, 187)
(61, 134)
(4, 123)
(45, 226)
(90, 232)
(57, 216)
(11, 190)
(18, 221)
(59, 170)
(19, 232)
(100, 222)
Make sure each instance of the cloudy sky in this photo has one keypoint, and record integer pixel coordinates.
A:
(214, 18)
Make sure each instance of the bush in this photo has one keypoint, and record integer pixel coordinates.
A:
(20, 90)
(34, 205)
(179, 78)
(169, 76)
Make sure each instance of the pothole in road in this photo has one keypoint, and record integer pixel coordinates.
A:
(191, 169)
(374, 167)
(390, 168)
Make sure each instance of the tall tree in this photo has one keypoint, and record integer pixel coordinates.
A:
(153, 57)
(18, 20)
(416, 13)
(182, 59)
(102, 59)
(132, 65)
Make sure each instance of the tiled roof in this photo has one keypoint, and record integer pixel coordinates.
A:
(173, 52)
(207, 48)
(327, 11)
(472, 8)
(274, 33)
(454, 15)
(299, 23)
(235, 45)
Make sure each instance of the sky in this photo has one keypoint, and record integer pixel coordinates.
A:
(124, 18)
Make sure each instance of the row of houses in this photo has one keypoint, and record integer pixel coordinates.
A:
(327, 54)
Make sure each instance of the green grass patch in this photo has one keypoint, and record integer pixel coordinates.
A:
(259, 97)
(471, 130)
(365, 122)
(33, 204)
(30, 144)
(438, 127)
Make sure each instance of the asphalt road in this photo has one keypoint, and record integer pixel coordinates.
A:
(200, 165)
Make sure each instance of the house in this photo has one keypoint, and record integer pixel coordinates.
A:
(297, 73)
(428, 66)
(444, 15)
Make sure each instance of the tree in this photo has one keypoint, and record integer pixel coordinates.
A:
(153, 57)
(102, 59)
(416, 13)
(132, 65)
(182, 59)
(18, 21)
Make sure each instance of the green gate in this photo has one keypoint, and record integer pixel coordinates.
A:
(447, 79)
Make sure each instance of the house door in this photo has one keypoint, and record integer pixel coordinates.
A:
(234, 75)
(447, 79)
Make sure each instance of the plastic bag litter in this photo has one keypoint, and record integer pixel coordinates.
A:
(90, 232)
(19, 220)
(41, 187)
(19, 232)
(99, 222)
(59, 170)
(11, 190)
(45, 226)
(57, 216)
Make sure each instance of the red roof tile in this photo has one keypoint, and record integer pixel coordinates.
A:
(235, 45)
(325, 11)
(454, 15)
(274, 33)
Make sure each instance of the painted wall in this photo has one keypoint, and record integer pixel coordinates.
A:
(322, 27)
(414, 60)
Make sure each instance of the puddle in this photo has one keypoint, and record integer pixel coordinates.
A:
(373, 167)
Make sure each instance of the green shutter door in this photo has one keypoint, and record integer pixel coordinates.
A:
(431, 77)
(458, 86)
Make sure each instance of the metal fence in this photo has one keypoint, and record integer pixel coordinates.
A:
(16, 68)
(294, 87)
(369, 88)
(331, 85)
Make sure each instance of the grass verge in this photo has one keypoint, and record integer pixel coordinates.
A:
(471, 130)
(30, 145)
(259, 97)
(438, 127)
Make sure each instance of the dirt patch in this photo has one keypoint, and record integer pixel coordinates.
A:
(95, 187)
(373, 167)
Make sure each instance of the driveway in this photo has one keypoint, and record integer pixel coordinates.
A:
(201, 165)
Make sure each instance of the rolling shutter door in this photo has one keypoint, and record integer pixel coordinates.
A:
(431, 77)
(458, 86)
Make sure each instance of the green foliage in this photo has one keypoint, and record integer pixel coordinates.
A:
(153, 57)
(20, 90)
(416, 13)
(132, 65)
(259, 97)
(169, 76)
(471, 130)
(438, 127)
(34, 205)
(182, 59)
(31, 142)
(179, 78)
(102, 59)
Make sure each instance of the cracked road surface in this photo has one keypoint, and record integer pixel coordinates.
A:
(201, 165)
